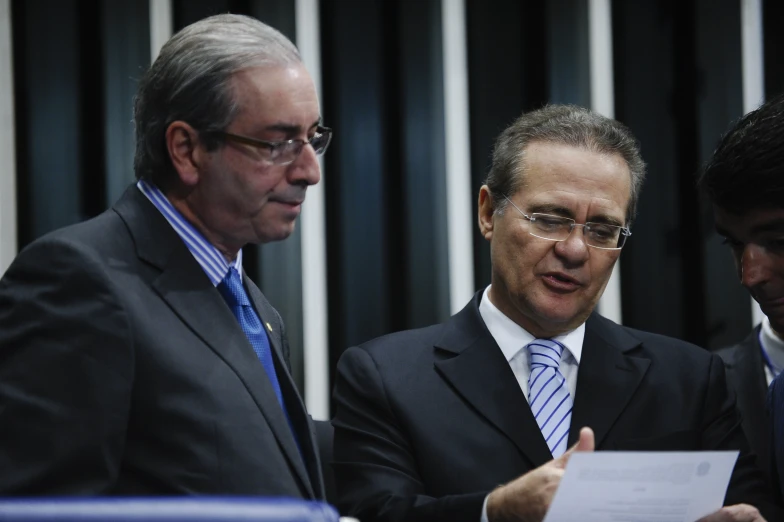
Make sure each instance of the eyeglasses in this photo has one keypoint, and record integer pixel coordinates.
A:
(558, 228)
(283, 152)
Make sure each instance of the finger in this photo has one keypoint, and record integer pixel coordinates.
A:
(586, 442)
(736, 513)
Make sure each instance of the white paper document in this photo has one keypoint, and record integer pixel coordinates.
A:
(615, 486)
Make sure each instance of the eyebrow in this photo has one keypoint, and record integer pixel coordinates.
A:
(559, 210)
(290, 128)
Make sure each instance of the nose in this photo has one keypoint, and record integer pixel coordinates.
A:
(573, 249)
(305, 169)
(754, 266)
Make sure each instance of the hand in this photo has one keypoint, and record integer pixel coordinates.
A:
(736, 513)
(528, 497)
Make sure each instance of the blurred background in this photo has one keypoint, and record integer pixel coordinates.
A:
(417, 91)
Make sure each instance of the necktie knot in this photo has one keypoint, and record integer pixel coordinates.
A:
(232, 289)
(545, 353)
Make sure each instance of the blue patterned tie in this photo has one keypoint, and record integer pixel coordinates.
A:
(234, 293)
(548, 394)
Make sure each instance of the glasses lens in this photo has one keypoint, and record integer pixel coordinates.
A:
(601, 235)
(546, 226)
(320, 140)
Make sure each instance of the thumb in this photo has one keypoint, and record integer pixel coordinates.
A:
(586, 442)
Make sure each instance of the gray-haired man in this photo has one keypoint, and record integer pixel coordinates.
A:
(429, 422)
(135, 355)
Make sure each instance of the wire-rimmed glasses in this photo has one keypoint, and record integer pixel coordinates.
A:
(558, 228)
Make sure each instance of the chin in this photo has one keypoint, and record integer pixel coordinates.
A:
(278, 234)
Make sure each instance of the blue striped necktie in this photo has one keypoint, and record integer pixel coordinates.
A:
(548, 394)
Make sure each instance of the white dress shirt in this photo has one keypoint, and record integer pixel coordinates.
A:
(513, 338)
(774, 348)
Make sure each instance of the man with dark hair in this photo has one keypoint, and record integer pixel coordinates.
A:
(136, 357)
(745, 182)
(429, 422)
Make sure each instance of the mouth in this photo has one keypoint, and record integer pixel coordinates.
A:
(293, 204)
(560, 281)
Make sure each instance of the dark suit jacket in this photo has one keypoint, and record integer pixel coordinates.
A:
(429, 421)
(746, 377)
(123, 371)
(776, 433)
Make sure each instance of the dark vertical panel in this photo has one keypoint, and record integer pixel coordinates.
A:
(568, 46)
(773, 41)
(125, 30)
(354, 91)
(423, 200)
(24, 229)
(91, 98)
(727, 304)
(280, 14)
(48, 67)
(185, 12)
(507, 73)
(676, 87)
(645, 92)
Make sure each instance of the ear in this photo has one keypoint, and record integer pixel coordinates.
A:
(486, 212)
(182, 142)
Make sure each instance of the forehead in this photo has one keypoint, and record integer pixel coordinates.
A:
(572, 176)
(277, 94)
(749, 224)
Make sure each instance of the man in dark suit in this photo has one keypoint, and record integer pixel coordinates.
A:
(748, 376)
(430, 422)
(745, 182)
(136, 357)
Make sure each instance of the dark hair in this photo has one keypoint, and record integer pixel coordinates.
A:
(191, 81)
(567, 125)
(747, 168)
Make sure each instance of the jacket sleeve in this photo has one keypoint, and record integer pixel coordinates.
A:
(66, 368)
(375, 466)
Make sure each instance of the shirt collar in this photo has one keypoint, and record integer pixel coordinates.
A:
(209, 258)
(511, 337)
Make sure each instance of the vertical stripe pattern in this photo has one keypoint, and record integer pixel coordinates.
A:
(548, 394)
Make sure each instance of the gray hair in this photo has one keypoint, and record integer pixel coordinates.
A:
(191, 81)
(566, 125)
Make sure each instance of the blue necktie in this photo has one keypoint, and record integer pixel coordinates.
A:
(548, 394)
(234, 293)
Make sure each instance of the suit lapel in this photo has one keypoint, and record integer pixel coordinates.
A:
(294, 405)
(751, 392)
(606, 379)
(473, 364)
(184, 286)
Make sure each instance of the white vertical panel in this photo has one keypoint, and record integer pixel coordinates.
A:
(314, 250)
(161, 25)
(460, 220)
(603, 102)
(753, 77)
(8, 239)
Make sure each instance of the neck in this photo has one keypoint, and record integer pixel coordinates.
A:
(225, 246)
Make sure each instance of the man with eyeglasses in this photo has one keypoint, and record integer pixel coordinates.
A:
(136, 357)
(475, 419)
(744, 180)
